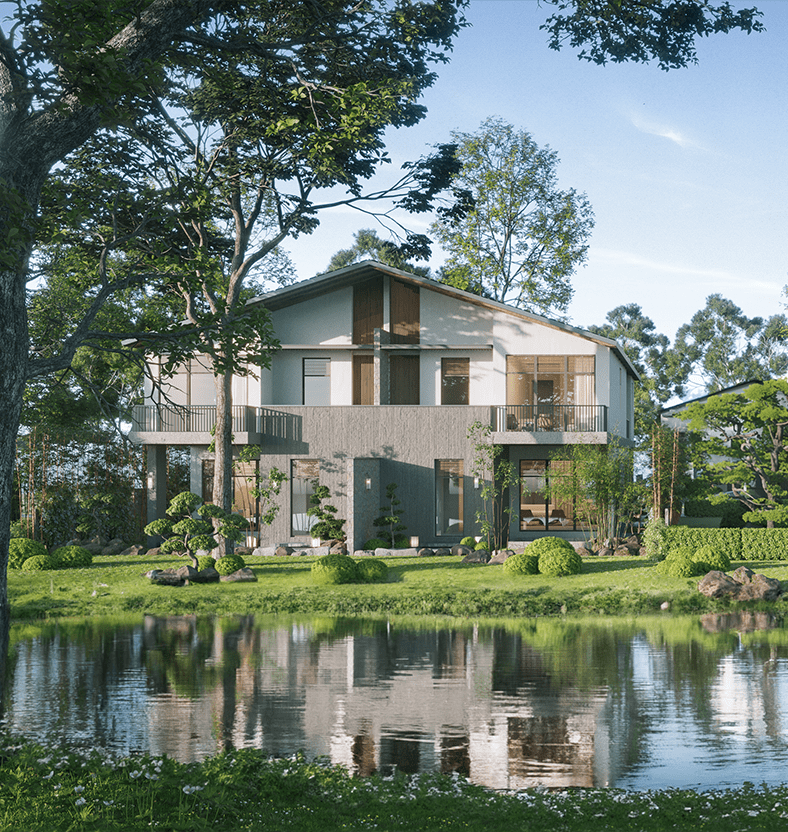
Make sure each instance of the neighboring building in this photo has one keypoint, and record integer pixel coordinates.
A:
(380, 375)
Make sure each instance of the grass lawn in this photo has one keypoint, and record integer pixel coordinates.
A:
(416, 586)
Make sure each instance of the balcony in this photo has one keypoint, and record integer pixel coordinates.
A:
(171, 424)
(557, 418)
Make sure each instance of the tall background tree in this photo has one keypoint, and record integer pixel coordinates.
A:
(524, 237)
(367, 245)
(725, 347)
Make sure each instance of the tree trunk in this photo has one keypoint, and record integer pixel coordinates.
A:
(223, 452)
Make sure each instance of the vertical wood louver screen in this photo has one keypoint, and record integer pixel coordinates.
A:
(363, 379)
(367, 310)
(404, 379)
(405, 313)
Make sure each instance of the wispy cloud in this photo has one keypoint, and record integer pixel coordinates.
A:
(665, 132)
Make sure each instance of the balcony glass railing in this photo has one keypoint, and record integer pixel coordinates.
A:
(534, 418)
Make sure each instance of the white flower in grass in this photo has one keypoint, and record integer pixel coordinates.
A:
(78, 789)
(80, 801)
(192, 789)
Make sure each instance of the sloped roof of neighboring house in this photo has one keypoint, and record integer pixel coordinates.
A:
(359, 272)
(674, 409)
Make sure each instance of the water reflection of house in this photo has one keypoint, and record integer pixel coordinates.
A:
(462, 705)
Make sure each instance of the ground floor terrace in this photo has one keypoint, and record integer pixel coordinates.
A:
(358, 451)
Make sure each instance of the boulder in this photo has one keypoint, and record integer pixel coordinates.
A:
(243, 575)
(114, 547)
(500, 556)
(132, 550)
(283, 550)
(264, 551)
(477, 556)
(206, 576)
(442, 552)
(165, 577)
(459, 549)
(743, 585)
(425, 552)
(604, 552)
(338, 547)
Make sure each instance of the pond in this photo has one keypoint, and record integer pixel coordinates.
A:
(639, 703)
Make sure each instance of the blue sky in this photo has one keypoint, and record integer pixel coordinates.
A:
(686, 170)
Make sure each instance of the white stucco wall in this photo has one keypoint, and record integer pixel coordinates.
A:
(327, 319)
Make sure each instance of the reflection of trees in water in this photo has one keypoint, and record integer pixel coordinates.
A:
(270, 682)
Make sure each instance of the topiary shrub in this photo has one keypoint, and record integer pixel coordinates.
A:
(522, 564)
(402, 543)
(228, 564)
(21, 548)
(206, 561)
(682, 566)
(372, 571)
(38, 563)
(335, 569)
(480, 546)
(545, 544)
(376, 543)
(655, 539)
(712, 558)
(468, 541)
(559, 561)
(72, 557)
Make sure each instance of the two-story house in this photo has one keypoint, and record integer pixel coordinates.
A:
(379, 377)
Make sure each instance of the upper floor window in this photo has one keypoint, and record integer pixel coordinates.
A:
(455, 375)
(317, 381)
(546, 380)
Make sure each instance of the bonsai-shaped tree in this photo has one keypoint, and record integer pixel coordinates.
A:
(328, 525)
(185, 535)
(388, 522)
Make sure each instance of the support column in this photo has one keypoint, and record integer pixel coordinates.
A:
(156, 480)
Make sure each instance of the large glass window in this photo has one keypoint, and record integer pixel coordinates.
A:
(317, 381)
(537, 510)
(545, 380)
(455, 375)
(448, 496)
(303, 474)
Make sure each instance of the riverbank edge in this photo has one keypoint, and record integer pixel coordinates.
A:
(54, 789)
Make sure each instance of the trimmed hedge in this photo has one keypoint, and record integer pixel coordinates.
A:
(738, 544)
(335, 569)
(764, 544)
(72, 557)
(372, 571)
(22, 548)
(522, 564)
(228, 564)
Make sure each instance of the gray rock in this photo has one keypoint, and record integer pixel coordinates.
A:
(114, 547)
(187, 572)
(500, 556)
(283, 550)
(166, 577)
(264, 552)
(477, 556)
(459, 549)
(206, 576)
(243, 575)
(132, 550)
(425, 552)
(380, 552)
(743, 585)
(442, 552)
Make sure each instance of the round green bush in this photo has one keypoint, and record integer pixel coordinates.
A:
(228, 564)
(712, 558)
(38, 563)
(480, 546)
(376, 543)
(335, 569)
(468, 541)
(72, 557)
(557, 561)
(549, 544)
(681, 566)
(372, 571)
(21, 548)
(522, 564)
(204, 561)
(402, 542)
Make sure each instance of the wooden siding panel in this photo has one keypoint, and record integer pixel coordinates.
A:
(363, 379)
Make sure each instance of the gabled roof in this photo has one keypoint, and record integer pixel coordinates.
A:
(734, 388)
(359, 272)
